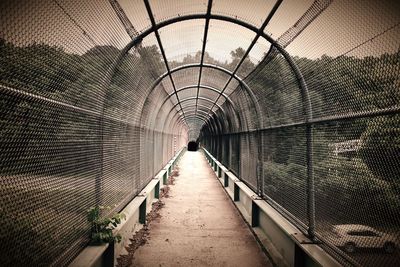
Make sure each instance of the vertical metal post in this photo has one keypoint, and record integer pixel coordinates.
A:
(260, 164)
(310, 184)
(236, 192)
(307, 109)
(207, 23)
(142, 212)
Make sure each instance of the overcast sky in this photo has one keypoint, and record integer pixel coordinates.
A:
(78, 25)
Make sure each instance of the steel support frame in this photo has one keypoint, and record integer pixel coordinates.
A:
(303, 87)
(259, 171)
(214, 67)
(210, 123)
(203, 49)
(157, 34)
(207, 88)
(210, 88)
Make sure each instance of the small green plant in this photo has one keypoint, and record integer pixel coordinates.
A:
(101, 228)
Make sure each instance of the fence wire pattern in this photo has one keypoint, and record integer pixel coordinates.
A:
(300, 99)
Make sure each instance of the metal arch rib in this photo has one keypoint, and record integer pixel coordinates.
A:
(181, 118)
(218, 123)
(196, 65)
(252, 44)
(199, 105)
(199, 110)
(302, 84)
(208, 88)
(194, 98)
(244, 24)
(177, 113)
(203, 49)
(216, 67)
(227, 98)
(155, 30)
(194, 117)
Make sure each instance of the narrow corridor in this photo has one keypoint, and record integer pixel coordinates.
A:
(199, 225)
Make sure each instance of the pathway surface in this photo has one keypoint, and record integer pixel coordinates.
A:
(199, 225)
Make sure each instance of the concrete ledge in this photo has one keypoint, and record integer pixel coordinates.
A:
(106, 255)
(223, 168)
(92, 256)
(285, 243)
(160, 176)
(130, 225)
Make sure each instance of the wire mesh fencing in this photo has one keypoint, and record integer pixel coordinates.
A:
(300, 99)
(74, 133)
(330, 167)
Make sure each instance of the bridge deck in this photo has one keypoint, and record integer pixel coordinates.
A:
(199, 225)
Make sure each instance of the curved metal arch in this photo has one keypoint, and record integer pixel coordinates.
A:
(214, 112)
(226, 116)
(204, 87)
(195, 123)
(304, 90)
(227, 98)
(215, 125)
(190, 105)
(193, 65)
(306, 101)
(244, 24)
(189, 87)
(204, 109)
(196, 65)
(181, 117)
(184, 100)
(191, 112)
(176, 113)
(224, 70)
(201, 112)
(299, 76)
(203, 106)
(201, 98)
(192, 117)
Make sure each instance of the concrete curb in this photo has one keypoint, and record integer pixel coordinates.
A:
(284, 242)
(106, 255)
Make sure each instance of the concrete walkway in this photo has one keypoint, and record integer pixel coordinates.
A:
(199, 225)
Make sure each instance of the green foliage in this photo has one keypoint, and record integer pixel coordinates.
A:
(102, 228)
(381, 147)
(339, 85)
(32, 224)
(347, 181)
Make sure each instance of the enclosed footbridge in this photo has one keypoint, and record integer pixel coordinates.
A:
(294, 104)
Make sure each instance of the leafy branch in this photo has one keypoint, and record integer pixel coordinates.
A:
(102, 228)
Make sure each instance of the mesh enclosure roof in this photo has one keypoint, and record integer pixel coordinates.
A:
(300, 99)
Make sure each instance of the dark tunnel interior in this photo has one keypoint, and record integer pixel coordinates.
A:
(193, 146)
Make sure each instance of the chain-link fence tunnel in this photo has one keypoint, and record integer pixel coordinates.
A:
(298, 99)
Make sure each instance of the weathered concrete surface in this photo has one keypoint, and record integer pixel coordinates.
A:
(199, 226)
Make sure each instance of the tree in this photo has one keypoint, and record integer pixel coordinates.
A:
(381, 147)
(237, 55)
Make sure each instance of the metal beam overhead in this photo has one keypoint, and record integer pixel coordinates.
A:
(258, 35)
(203, 49)
(154, 28)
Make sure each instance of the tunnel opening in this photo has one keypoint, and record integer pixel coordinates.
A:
(193, 146)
